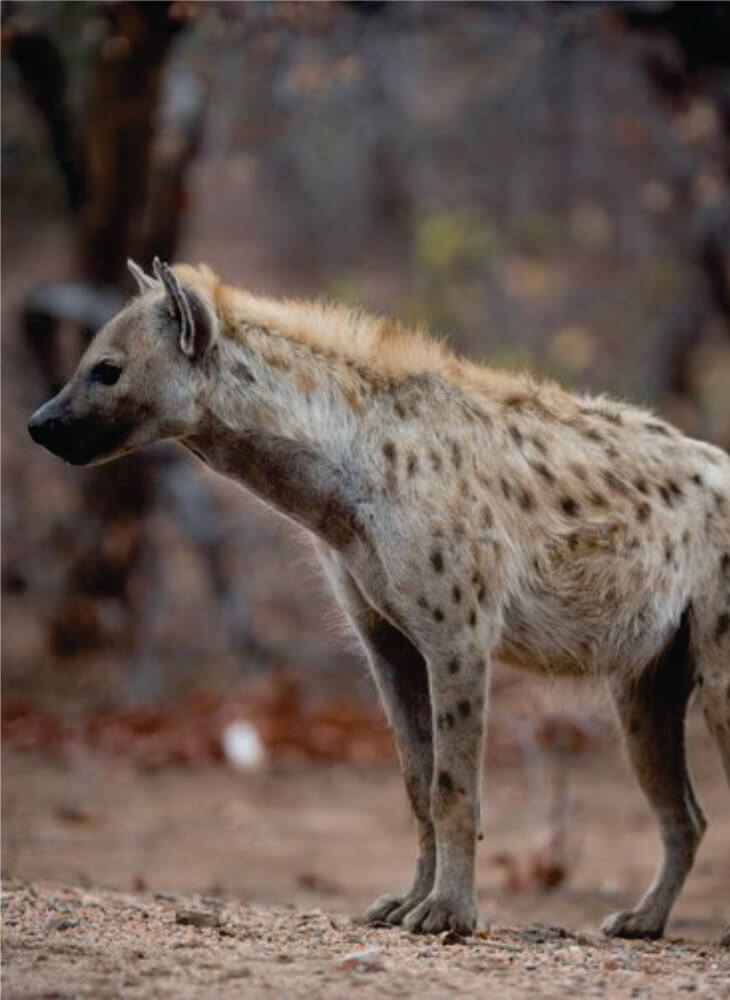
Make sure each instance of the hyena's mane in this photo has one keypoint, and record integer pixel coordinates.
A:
(387, 346)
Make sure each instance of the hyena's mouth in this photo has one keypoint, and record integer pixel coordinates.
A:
(80, 442)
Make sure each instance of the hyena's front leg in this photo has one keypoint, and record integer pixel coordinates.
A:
(458, 688)
(400, 673)
(402, 680)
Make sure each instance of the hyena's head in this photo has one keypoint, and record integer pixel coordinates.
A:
(137, 382)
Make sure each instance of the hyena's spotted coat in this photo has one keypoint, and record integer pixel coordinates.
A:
(459, 512)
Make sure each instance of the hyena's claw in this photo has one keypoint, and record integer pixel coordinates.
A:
(634, 924)
(436, 914)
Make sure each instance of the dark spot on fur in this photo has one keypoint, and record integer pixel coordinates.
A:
(400, 410)
(454, 666)
(487, 517)
(658, 429)
(668, 548)
(456, 592)
(641, 485)
(472, 618)
(539, 444)
(464, 708)
(435, 460)
(643, 512)
(389, 451)
(449, 720)
(725, 563)
(673, 488)
(719, 501)
(591, 434)
(573, 541)
(516, 402)
(506, 489)
(438, 614)
(440, 722)
(526, 501)
(456, 455)
(437, 561)
(611, 451)
(686, 536)
(516, 435)
(665, 495)
(446, 781)
(412, 464)
(243, 372)
(422, 602)
(597, 499)
(723, 624)
(579, 471)
(612, 418)
(542, 470)
(613, 482)
(569, 506)
(697, 479)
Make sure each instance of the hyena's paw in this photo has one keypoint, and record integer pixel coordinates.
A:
(390, 909)
(439, 913)
(634, 924)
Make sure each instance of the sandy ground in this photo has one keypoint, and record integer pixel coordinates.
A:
(110, 873)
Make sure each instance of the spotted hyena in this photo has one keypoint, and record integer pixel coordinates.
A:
(459, 512)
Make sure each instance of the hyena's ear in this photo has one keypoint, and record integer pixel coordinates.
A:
(196, 319)
(145, 282)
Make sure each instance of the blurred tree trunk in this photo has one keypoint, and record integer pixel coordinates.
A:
(124, 173)
(123, 102)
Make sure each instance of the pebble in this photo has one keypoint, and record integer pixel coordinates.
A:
(198, 918)
(62, 924)
(363, 961)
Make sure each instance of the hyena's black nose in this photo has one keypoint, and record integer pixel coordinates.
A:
(43, 427)
(36, 428)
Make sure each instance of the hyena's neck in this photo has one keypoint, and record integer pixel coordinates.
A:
(283, 421)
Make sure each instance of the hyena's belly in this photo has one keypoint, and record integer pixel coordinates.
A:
(569, 627)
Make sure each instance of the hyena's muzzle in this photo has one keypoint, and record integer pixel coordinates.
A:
(77, 438)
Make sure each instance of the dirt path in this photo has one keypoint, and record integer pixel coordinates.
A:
(67, 942)
(102, 861)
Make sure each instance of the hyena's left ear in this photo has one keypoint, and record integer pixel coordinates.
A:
(196, 319)
(144, 281)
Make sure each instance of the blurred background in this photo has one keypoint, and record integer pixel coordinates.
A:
(545, 185)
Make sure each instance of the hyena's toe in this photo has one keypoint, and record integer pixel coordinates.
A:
(634, 924)
(381, 910)
(436, 914)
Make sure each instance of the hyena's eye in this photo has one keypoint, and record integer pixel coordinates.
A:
(106, 373)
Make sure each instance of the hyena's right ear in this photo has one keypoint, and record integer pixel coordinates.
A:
(145, 282)
(196, 319)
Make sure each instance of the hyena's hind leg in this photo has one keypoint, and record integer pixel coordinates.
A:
(712, 656)
(402, 680)
(652, 711)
